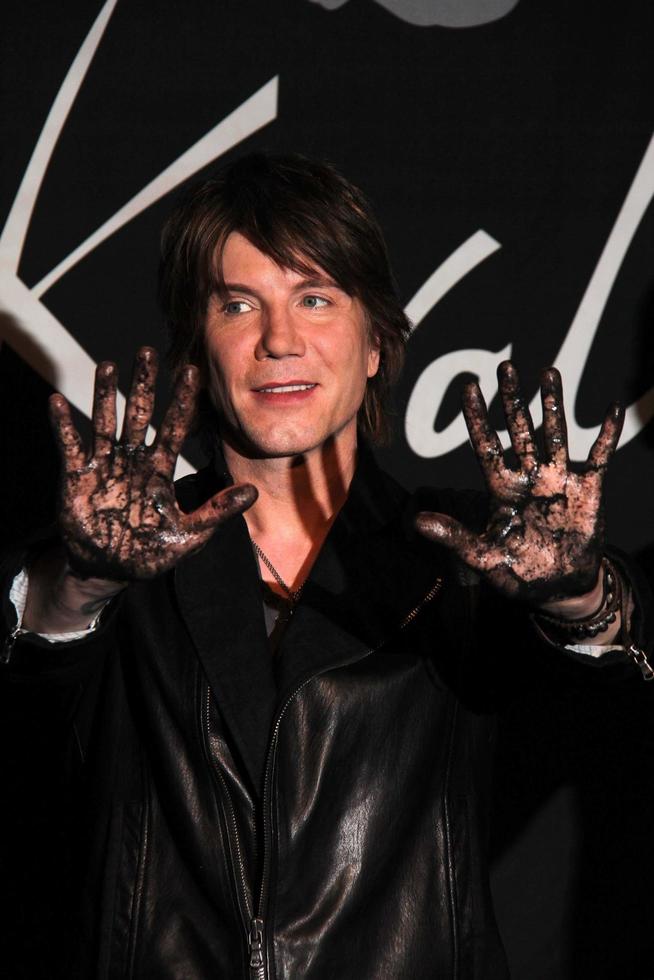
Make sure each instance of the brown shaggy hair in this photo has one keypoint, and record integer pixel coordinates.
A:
(304, 215)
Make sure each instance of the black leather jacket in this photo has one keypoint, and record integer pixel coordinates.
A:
(339, 835)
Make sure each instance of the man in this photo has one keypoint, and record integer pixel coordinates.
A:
(274, 695)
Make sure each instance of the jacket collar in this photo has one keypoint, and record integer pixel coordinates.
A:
(371, 571)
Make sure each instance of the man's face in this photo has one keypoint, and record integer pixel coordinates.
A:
(288, 355)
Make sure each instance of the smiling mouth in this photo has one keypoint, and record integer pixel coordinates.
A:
(285, 389)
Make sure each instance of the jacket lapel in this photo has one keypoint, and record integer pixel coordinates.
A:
(220, 601)
(372, 570)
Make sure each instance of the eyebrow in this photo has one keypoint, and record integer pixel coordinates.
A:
(237, 287)
(318, 282)
(315, 282)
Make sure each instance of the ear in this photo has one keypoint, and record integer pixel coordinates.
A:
(374, 355)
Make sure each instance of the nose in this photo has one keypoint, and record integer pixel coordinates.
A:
(280, 335)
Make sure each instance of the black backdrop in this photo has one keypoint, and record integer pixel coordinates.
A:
(506, 147)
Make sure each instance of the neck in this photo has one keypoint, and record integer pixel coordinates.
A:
(299, 498)
(297, 494)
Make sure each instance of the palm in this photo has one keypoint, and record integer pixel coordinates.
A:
(119, 517)
(545, 530)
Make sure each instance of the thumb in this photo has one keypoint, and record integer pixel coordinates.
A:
(445, 530)
(228, 503)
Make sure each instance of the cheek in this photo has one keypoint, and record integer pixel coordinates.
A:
(214, 378)
(221, 356)
(349, 353)
(218, 374)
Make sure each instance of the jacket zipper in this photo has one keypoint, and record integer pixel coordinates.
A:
(8, 645)
(256, 932)
(240, 877)
(255, 945)
(640, 659)
(259, 922)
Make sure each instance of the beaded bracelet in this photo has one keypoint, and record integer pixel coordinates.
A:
(599, 621)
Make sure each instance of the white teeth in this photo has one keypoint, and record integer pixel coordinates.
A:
(282, 389)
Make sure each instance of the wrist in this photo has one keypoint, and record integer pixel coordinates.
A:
(73, 596)
(59, 600)
(578, 606)
(601, 624)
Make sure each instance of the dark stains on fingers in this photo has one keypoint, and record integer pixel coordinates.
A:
(228, 503)
(441, 528)
(518, 417)
(241, 496)
(177, 420)
(546, 530)
(119, 517)
(104, 408)
(552, 385)
(185, 393)
(140, 402)
(189, 379)
(484, 439)
(607, 441)
(59, 411)
(555, 434)
(475, 413)
(66, 435)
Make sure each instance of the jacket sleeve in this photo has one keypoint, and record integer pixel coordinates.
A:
(509, 626)
(42, 684)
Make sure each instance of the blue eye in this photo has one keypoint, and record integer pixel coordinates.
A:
(313, 302)
(235, 306)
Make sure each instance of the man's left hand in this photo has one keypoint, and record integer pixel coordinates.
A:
(545, 532)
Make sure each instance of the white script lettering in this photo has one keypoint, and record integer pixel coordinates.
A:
(426, 397)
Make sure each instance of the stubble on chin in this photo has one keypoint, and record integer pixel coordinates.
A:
(276, 442)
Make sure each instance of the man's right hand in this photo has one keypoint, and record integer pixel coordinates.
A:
(119, 518)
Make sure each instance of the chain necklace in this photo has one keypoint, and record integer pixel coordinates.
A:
(293, 594)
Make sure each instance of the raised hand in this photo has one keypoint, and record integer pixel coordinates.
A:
(545, 531)
(119, 518)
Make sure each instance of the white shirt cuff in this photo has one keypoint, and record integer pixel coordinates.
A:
(18, 597)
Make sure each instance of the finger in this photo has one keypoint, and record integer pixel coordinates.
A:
(484, 439)
(518, 417)
(140, 401)
(67, 436)
(555, 433)
(228, 503)
(607, 441)
(447, 531)
(104, 408)
(177, 420)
